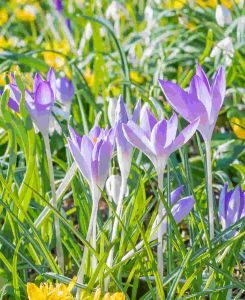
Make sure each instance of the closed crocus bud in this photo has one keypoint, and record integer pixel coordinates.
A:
(40, 106)
(65, 93)
(231, 206)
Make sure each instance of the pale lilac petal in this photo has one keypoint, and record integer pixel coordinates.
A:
(121, 113)
(104, 158)
(95, 133)
(122, 142)
(44, 97)
(158, 136)
(65, 89)
(86, 148)
(76, 138)
(218, 93)
(136, 112)
(147, 121)
(136, 136)
(242, 202)
(184, 135)
(200, 73)
(80, 161)
(199, 89)
(95, 162)
(52, 80)
(37, 80)
(185, 104)
(175, 195)
(172, 126)
(232, 214)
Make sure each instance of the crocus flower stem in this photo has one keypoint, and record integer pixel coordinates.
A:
(59, 249)
(209, 189)
(122, 192)
(92, 224)
(160, 233)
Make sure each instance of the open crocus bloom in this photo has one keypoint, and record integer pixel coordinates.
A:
(124, 148)
(231, 206)
(93, 153)
(180, 209)
(202, 100)
(157, 139)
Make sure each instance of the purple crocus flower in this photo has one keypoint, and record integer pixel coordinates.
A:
(231, 206)
(93, 153)
(58, 5)
(180, 209)
(41, 104)
(124, 148)
(157, 139)
(65, 90)
(202, 100)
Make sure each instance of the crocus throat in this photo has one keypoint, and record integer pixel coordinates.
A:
(94, 140)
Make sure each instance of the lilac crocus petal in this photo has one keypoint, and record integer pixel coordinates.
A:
(80, 160)
(65, 89)
(52, 80)
(147, 120)
(172, 126)
(94, 133)
(218, 93)
(231, 206)
(184, 135)
(137, 137)
(43, 97)
(76, 138)
(175, 195)
(121, 112)
(124, 146)
(14, 98)
(136, 112)
(200, 73)
(37, 80)
(58, 5)
(158, 136)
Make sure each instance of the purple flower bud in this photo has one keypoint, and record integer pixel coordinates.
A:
(58, 5)
(65, 90)
(202, 100)
(231, 206)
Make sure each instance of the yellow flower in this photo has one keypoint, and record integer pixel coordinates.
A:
(238, 126)
(3, 16)
(48, 291)
(2, 79)
(89, 76)
(136, 77)
(5, 43)
(53, 59)
(27, 13)
(214, 3)
(176, 4)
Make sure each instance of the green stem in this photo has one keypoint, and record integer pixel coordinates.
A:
(59, 249)
(209, 189)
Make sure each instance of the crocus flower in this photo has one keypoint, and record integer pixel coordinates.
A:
(65, 92)
(157, 139)
(180, 209)
(93, 153)
(40, 106)
(124, 148)
(231, 206)
(202, 100)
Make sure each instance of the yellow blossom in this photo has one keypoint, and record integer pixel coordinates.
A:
(238, 126)
(3, 16)
(27, 13)
(5, 43)
(136, 77)
(2, 79)
(53, 59)
(48, 291)
(89, 76)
